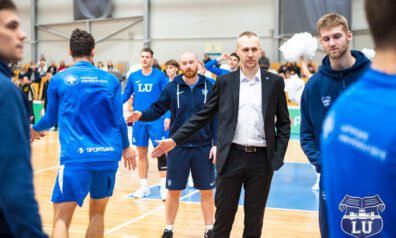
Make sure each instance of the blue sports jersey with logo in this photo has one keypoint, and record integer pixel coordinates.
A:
(146, 89)
(359, 159)
(87, 104)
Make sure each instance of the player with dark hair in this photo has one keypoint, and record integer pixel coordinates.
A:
(87, 104)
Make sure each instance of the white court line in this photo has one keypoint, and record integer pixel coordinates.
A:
(144, 215)
(46, 169)
(287, 209)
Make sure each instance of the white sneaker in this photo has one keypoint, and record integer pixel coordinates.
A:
(163, 193)
(316, 186)
(190, 182)
(142, 192)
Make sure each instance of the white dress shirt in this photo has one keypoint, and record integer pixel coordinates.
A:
(250, 124)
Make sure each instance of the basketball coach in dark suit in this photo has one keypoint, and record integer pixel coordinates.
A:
(253, 134)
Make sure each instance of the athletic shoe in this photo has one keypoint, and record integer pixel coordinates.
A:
(163, 193)
(142, 192)
(167, 234)
(315, 187)
(209, 234)
(190, 182)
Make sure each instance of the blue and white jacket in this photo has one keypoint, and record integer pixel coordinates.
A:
(87, 104)
(359, 159)
(320, 92)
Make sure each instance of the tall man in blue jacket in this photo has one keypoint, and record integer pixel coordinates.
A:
(358, 145)
(19, 215)
(340, 68)
(145, 86)
(87, 104)
(185, 96)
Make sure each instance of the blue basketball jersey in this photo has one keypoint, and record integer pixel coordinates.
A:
(146, 89)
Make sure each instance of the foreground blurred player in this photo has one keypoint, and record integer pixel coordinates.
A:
(359, 137)
(340, 68)
(18, 209)
(87, 102)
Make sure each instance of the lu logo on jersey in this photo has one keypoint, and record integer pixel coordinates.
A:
(361, 218)
(145, 87)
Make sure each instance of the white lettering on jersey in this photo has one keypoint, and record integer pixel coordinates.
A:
(96, 149)
(145, 87)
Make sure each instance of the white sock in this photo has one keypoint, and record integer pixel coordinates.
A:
(163, 182)
(209, 227)
(169, 227)
(144, 183)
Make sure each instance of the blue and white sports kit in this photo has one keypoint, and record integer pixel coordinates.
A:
(146, 89)
(359, 159)
(184, 101)
(87, 104)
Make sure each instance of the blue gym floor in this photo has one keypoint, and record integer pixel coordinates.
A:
(290, 189)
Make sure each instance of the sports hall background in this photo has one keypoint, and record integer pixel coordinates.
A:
(171, 27)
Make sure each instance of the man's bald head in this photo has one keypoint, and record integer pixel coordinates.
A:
(188, 54)
(189, 64)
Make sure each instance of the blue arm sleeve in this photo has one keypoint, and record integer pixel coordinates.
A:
(211, 67)
(157, 109)
(119, 117)
(51, 114)
(167, 115)
(307, 134)
(128, 89)
(17, 202)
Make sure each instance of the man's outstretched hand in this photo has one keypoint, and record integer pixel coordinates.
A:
(134, 117)
(164, 146)
(35, 135)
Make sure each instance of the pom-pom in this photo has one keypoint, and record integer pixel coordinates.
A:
(369, 53)
(300, 44)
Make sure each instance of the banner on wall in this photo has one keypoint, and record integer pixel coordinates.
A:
(295, 118)
(92, 9)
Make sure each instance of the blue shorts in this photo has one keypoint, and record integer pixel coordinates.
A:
(142, 132)
(183, 159)
(73, 185)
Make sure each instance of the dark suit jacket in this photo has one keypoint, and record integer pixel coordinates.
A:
(224, 100)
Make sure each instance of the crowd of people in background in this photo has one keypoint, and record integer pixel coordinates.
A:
(295, 75)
